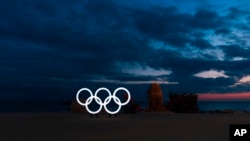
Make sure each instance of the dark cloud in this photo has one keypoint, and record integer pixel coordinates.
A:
(206, 19)
(235, 13)
(222, 31)
(235, 51)
(201, 43)
(176, 28)
(59, 46)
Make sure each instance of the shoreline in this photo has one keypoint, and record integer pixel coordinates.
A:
(41, 106)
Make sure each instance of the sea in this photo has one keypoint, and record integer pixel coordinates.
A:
(31, 106)
(220, 105)
(216, 105)
(224, 105)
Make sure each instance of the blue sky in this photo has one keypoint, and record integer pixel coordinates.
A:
(52, 48)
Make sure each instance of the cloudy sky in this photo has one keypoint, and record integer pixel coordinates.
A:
(51, 48)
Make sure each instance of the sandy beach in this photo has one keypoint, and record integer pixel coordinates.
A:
(140, 126)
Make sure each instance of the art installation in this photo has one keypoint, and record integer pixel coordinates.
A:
(105, 102)
(155, 98)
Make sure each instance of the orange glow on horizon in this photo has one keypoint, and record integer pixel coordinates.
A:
(228, 97)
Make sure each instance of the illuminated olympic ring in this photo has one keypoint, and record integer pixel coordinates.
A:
(106, 101)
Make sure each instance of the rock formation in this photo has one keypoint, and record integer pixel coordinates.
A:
(155, 98)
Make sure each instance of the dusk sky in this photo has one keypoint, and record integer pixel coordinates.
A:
(49, 49)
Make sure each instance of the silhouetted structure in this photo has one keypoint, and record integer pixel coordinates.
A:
(131, 107)
(183, 102)
(155, 98)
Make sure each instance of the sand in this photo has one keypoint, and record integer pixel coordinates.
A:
(140, 126)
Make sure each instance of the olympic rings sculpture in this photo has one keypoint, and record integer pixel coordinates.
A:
(106, 100)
